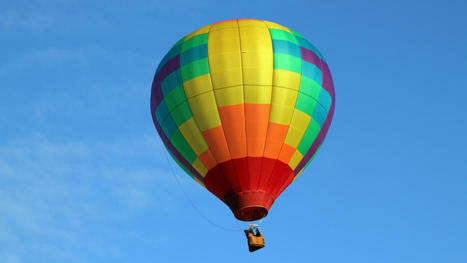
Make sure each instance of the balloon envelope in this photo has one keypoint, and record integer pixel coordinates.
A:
(243, 106)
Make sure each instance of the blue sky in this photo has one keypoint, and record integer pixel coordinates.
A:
(83, 176)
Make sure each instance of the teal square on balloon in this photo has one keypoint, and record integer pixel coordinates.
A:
(312, 71)
(325, 99)
(168, 126)
(161, 112)
(320, 115)
(171, 81)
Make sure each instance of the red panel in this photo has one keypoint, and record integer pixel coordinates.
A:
(229, 171)
(267, 165)
(241, 166)
(254, 166)
(277, 176)
(219, 185)
(249, 185)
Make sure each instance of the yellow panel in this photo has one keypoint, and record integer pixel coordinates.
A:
(204, 110)
(282, 105)
(199, 166)
(287, 79)
(224, 25)
(300, 120)
(294, 136)
(296, 158)
(277, 26)
(193, 136)
(229, 96)
(257, 68)
(256, 39)
(200, 31)
(225, 62)
(224, 40)
(251, 23)
(297, 128)
(258, 94)
(284, 96)
(257, 53)
(281, 114)
(197, 85)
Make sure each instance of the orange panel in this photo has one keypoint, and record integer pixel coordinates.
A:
(208, 159)
(274, 139)
(286, 153)
(233, 121)
(216, 140)
(257, 118)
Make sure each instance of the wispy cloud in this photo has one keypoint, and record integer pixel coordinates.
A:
(56, 190)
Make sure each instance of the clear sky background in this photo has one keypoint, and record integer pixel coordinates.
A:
(83, 176)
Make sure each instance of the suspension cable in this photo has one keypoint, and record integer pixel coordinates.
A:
(172, 170)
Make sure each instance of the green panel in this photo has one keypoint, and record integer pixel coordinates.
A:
(175, 97)
(195, 69)
(181, 113)
(310, 87)
(183, 147)
(306, 104)
(287, 62)
(283, 35)
(309, 137)
(195, 41)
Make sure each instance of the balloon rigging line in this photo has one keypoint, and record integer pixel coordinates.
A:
(172, 170)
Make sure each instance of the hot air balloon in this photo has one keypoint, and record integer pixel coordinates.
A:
(243, 106)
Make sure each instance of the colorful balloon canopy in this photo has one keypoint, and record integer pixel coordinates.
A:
(243, 106)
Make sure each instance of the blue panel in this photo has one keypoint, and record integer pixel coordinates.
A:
(320, 114)
(325, 99)
(194, 53)
(311, 71)
(170, 82)
(286, 47)
(161, 112)
(169, 127)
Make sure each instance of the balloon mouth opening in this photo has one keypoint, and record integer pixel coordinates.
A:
(249, 205)
(251, 213)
